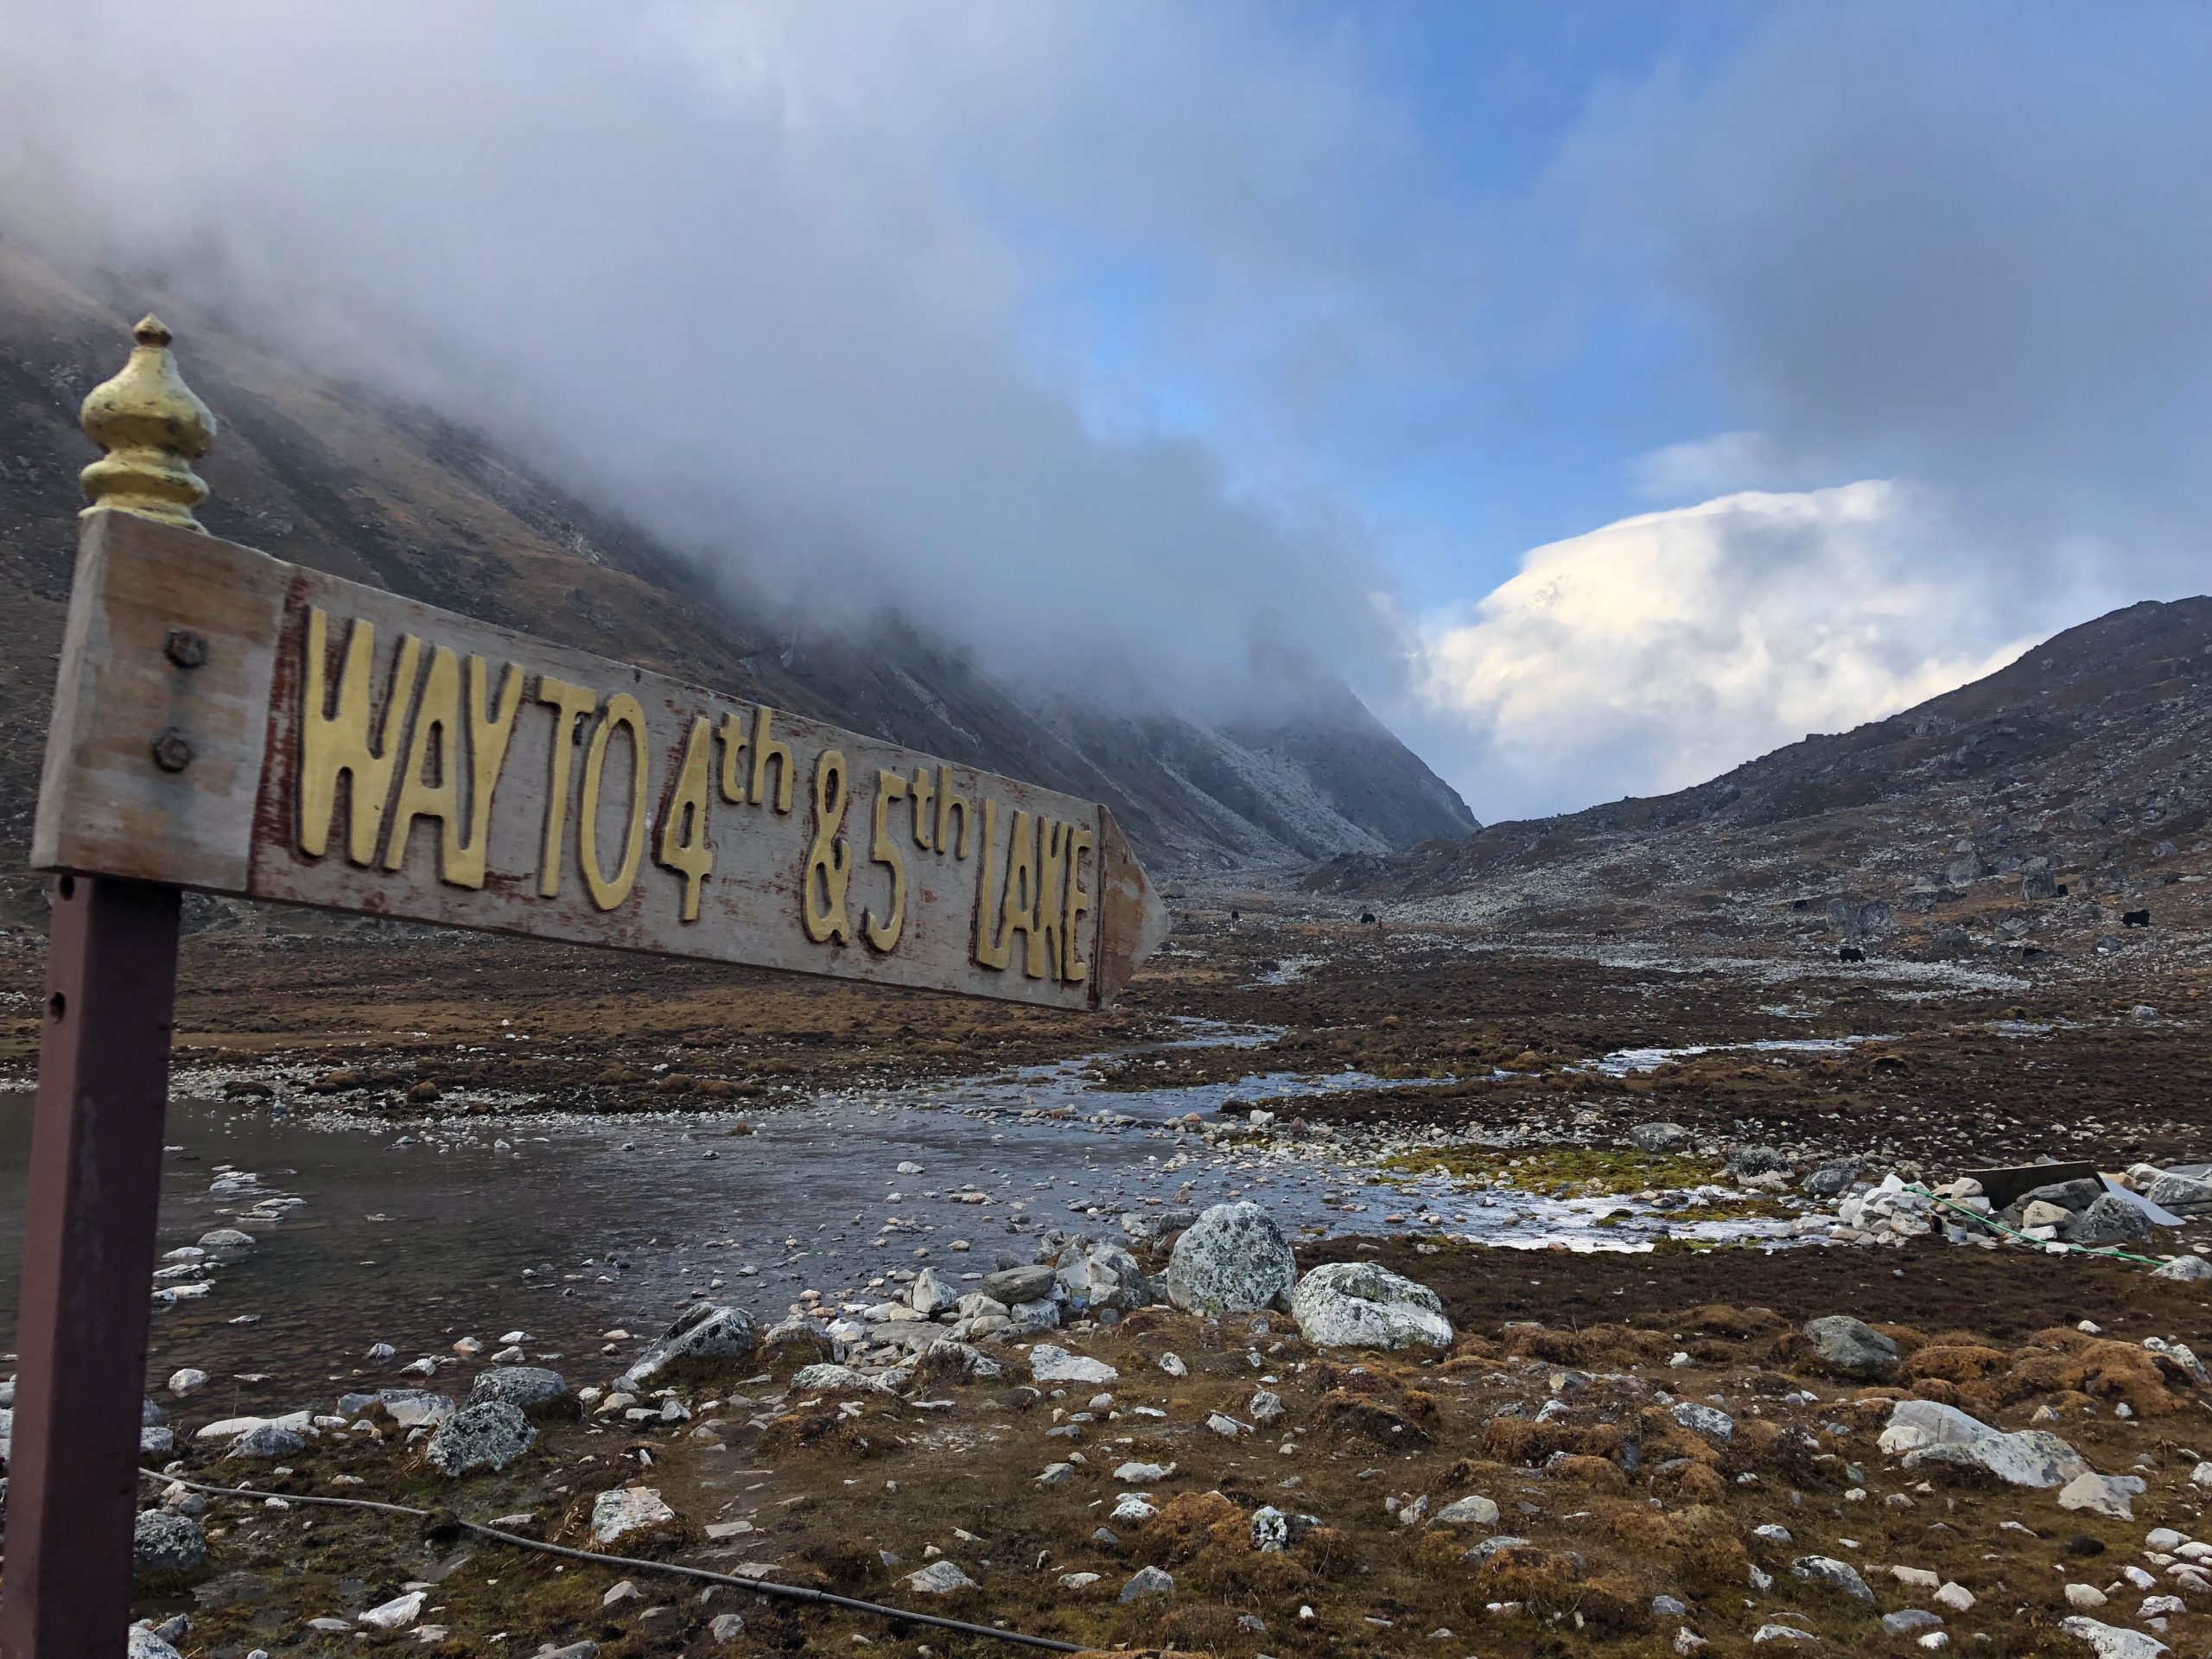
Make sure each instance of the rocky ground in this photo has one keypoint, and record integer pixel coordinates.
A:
(1896, 1419)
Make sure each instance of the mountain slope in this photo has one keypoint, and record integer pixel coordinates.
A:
(335, 478)
(2082, 765)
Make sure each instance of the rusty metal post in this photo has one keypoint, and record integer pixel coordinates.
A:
(96, 1139)
(88, 1263)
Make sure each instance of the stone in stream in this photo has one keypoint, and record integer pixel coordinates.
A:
(530, 1389)
(225, 1238)
(490, 1434)
(1849, 1347)
(711, 1332)
(163, 1542)
(1233, 1259)
(1361, 1305)
(631, 1515)
(1659, 1137)
(186, 1382)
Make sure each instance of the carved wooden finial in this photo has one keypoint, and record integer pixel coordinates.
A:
(152, 428)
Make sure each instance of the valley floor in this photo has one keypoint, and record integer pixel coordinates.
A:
(1492, 1087)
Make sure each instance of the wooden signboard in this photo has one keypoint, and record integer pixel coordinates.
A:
(229, 722)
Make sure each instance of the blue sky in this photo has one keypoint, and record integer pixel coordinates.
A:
(1609, 393)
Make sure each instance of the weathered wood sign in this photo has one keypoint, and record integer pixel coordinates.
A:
(229, 722)
(233, 723)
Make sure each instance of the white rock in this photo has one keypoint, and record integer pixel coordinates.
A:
(2106, 1495)
(2085, 1597)
(1362, 1304)
(186, 1382)
(1956, 1596)
(1928, 1432)
(1050, 1365)
(940, 1579)
(2113, 1641)
(630, 1512)
(1473, 1511)
(1233, 1259)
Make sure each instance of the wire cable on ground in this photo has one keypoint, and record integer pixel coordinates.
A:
(759, 1587)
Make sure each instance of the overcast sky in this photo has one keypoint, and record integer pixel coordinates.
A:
(1608, 392)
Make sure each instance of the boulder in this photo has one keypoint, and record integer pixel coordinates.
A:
(1834, 1178)
(1659, 1137)
(1758, 1161)
(2077, 1195)
(267, 1440)
(940, 1579)
(163, 1542)
(2106, 1495)
(2112, 1641)
(1846, 1347)
(530, 1388)
(2193, 1269)
(1475, 1511)
(931, 1293)
(1013, 1286)
(2110, 1219)
(1835, 1574)
(1232, 1260)
(631, 1515)
(1274, 1530)
(1362, 1304)
(839, 1379)
(2180, 1193)
(957, 1361)
(1050, 1365)
(1104, 1276)
(1929, 1433)
(144, 1645)
(711, 1332)
(797, 1335)
(490, 1434)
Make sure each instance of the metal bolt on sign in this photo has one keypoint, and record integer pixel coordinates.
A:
(211, 700)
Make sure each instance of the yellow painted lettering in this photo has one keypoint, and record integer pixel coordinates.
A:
(884, 934)
(764, 749)
(683, 821)
(947, 804)
(733, 755)
(570, 704)
(1018, 910)
(429, 783)
(334, 740)
(490, 731)
(989, 953)
(623, 713)
(1051, 873)
(1073, 967)
(924, 790)
(829, 860)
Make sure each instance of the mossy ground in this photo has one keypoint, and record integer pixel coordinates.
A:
(1558, 1172)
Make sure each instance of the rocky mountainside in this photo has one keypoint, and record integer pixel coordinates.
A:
(2071, 785)
(334, 477)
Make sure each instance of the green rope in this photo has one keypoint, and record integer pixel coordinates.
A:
(2109, 1252)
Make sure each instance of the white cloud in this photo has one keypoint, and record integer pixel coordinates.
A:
(1660, 651)
(1701, 469)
